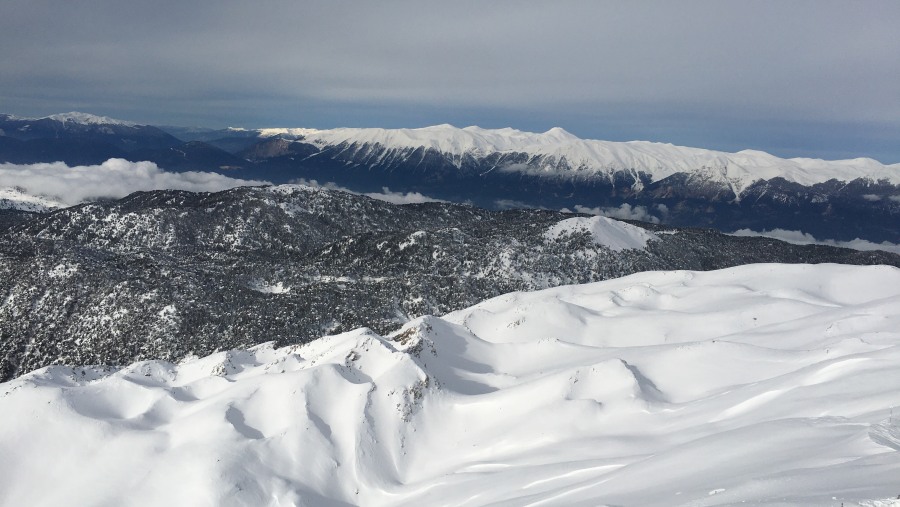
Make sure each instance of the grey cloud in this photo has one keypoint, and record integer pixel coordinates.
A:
(505, 204)
(114, 178)
(625, 212)
(385, 195)
(401, 197)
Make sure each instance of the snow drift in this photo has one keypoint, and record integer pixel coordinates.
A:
(764, 383)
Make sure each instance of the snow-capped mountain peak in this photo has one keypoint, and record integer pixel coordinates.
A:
(88, 119)
(295, 133)
(613, 234)
(560, 152)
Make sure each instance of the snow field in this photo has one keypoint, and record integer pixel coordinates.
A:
(764, 384)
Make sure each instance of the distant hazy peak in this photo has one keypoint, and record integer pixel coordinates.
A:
(87, 119)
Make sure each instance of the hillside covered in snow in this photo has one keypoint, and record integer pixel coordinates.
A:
(162, 274)
(757, 385)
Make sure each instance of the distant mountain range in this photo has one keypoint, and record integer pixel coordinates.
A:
(497, 169)
(329, 380)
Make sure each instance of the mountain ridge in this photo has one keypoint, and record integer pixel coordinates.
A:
(660, 160)
(495, 169)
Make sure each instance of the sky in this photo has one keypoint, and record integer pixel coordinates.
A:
(812, 78)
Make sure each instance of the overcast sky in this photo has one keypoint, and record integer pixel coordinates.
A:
(795, 78)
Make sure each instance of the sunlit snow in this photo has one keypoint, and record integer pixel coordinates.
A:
(88, 119)
(615, 235)
(659, 160)
(269, 288)
(761, 384)
(17, 198)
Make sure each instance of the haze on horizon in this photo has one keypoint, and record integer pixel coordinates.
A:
(805, 78)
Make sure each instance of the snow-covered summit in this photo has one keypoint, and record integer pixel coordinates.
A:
(285, 132)
(613, 234)
(17, 198)
(87, 119)
(549, 150)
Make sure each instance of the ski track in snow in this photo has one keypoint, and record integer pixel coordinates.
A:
(766, 384)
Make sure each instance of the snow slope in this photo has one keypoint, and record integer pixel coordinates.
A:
(764, 384)
(604, 231)
(86, 119)
(19, 199)
(75, 117)
(547, 149)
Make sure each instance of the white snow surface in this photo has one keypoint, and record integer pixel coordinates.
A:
(19, 199)
(613, 234)
(659, 160)
(269, 288)
(87, 119)
(757, 385)
(286, 132)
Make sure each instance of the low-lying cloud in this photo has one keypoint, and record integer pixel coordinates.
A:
(802, 238)
(506, 204)
(625, 212)
(385, 195)
(112, 179)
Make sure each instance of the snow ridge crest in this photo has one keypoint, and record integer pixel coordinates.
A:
(558, 150)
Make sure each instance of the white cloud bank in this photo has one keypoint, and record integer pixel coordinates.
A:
(385, 195)
(114, 178)
(624, 212)
(802, 238)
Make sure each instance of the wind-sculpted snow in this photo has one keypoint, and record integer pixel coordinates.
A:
(765, 384)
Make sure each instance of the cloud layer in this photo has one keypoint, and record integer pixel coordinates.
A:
(802, 238)
(385, 195)
(626, 212)
(114, 178)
